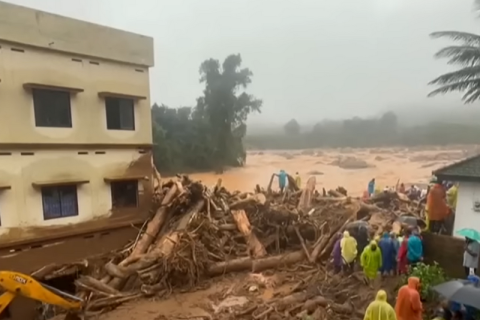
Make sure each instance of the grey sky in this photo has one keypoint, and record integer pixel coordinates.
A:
(311, 59)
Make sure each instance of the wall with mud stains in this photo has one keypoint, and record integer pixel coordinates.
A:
(21, 208)
(447, 251)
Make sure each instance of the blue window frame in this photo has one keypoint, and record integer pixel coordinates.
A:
(59, 202)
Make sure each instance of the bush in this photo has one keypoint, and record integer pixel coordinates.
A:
(430, 276)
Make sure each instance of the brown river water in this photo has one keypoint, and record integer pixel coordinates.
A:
(386, 165)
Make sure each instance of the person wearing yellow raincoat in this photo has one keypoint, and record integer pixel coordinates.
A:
(380, 309)
(452, 194)
(371, 260)
(348, 245)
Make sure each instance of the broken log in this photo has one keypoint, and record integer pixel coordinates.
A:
(153, 228)
(256, 248)
(305, 202)
(244, 264)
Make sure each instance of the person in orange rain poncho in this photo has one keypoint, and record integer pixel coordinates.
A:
(409, 306)
(437, 209)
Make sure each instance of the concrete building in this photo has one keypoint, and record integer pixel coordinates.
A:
(75, 128)
(467, 174)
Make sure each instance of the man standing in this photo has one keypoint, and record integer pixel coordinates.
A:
(414, 248)
(282, 180)
(470, 256)
(298, 180)
(371, 187)
(408, 305)
(437, 209)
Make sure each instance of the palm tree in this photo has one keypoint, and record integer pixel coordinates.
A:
(467, 56)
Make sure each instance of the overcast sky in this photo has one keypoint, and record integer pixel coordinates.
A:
(311, 59)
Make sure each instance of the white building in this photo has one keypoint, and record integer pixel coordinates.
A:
(467, 174)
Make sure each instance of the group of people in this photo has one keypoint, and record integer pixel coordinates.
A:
(388, 255)
(440, 199)
(408, 305)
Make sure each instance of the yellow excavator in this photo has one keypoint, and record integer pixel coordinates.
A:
(17, 284)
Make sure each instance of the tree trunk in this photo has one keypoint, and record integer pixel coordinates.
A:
(243, 264)
(256, 248)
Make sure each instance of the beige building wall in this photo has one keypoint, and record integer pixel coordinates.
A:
(17, 123)
(21, 210)
(43, 50)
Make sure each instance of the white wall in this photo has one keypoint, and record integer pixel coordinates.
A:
(465, 217)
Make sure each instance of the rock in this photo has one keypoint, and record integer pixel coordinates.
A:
(379, 158)
(315, 173)
(307, 152)
(287, 156)
(351, 163)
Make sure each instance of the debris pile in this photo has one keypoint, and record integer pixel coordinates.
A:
(196, 233)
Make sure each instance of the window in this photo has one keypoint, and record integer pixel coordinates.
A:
(59, 202)
(52, 108)
(120, 113)
(124, 194)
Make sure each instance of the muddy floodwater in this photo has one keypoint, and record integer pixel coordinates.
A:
(348, 167)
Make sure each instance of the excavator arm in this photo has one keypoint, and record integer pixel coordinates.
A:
(15, 283)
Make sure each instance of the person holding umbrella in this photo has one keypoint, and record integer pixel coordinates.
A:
(472, 249)
(462, 292)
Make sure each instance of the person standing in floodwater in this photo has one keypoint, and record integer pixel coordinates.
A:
(282, 180)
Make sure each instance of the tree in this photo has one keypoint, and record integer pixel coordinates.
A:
(292, 128)
(467, 56)
(225, 108)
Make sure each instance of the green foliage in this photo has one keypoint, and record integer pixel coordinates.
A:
(210, 135)
(467, 57)
(370, 132)
(292, 128)
(430, 276)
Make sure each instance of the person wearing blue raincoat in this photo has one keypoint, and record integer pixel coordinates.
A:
(387, 246)
(282, 180)
(371, 187)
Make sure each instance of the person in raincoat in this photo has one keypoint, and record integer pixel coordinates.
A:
(380, 309)
(414, 248)
(371, 187)
(402, 261)
(452, 195)
(408, 305)
(437, 209)
(396, 247)
(371, 260)
(282, 180)
(348, 245)
(387, 248)
(337, 254)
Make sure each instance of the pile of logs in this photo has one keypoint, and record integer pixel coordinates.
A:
(198, 232)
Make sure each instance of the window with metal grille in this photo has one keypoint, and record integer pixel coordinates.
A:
(59, 202)
(52, 108)
(124, 194)
(120, 113)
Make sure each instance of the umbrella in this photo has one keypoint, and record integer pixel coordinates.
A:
(460, 291)
(469, 233)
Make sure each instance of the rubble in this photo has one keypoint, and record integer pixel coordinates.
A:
(197, 233)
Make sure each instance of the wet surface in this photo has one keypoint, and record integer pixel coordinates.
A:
(387, 165)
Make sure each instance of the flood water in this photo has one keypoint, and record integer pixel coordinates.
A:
(387, 165)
